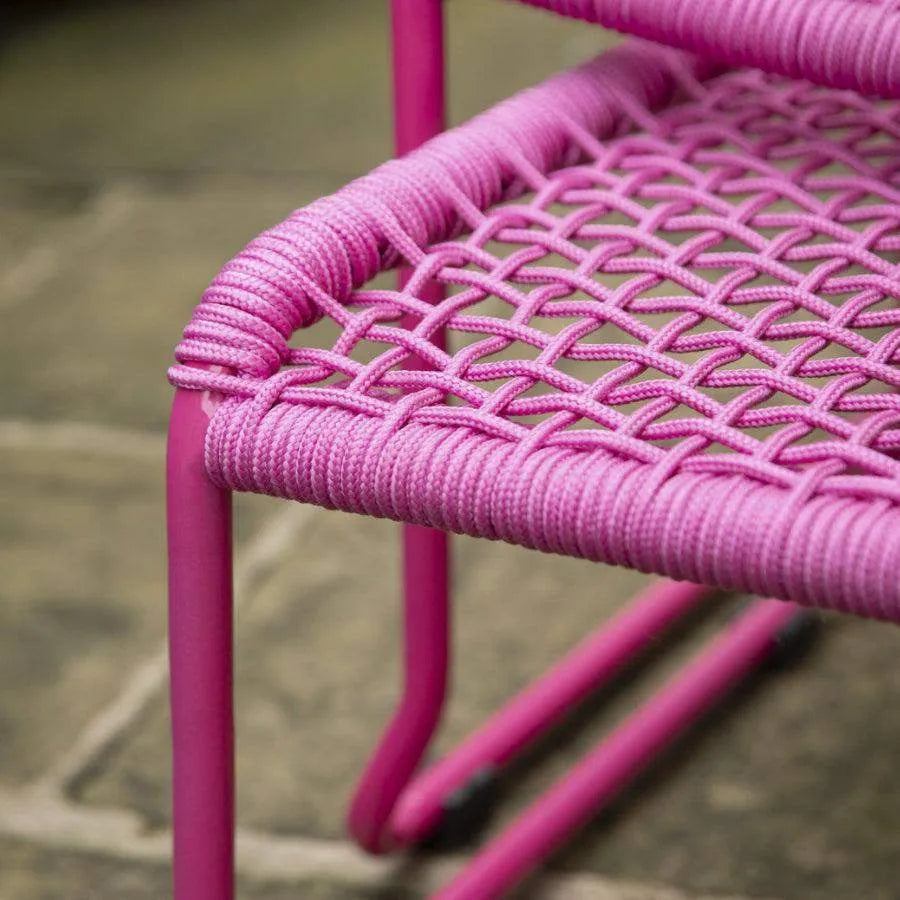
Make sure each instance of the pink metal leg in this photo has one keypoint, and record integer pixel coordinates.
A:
(425, 674)
(417, 37)
(419, 104)
(590, 665)
(200, 635)
(603, 773)
(418, 58)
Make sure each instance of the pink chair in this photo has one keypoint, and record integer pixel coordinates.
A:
(647, 317)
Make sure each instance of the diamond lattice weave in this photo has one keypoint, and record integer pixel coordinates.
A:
(672, 337)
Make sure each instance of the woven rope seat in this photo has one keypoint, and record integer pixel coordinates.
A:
(668, 337)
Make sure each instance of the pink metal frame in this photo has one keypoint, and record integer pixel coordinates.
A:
(418, 62)
(391, 807)
(576, 798)
(200, 660)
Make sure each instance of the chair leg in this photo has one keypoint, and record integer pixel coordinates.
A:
(541, 705)
(417, 31)
(200, 661)
(604, 772)
(425, 664)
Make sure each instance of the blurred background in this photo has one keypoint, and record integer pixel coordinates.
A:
(141, 145)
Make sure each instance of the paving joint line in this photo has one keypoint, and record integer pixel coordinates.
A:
(54, 822)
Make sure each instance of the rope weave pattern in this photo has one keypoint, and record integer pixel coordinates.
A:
(673, 337)
(839, 43)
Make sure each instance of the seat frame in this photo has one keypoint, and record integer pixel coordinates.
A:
(393, 806)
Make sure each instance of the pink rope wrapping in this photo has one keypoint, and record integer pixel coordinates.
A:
(673, 344)
(839, 43)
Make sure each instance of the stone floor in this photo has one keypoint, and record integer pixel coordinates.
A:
(142, 144)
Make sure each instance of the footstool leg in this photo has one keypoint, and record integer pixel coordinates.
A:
(200, 661)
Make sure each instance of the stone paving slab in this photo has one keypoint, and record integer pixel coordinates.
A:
(82, 596)
(31, 872)
(80, 553)
(28, 872)
(790, 792)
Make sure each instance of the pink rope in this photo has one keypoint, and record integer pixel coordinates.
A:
(278, 282)
(673, 337)
(839, 43)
